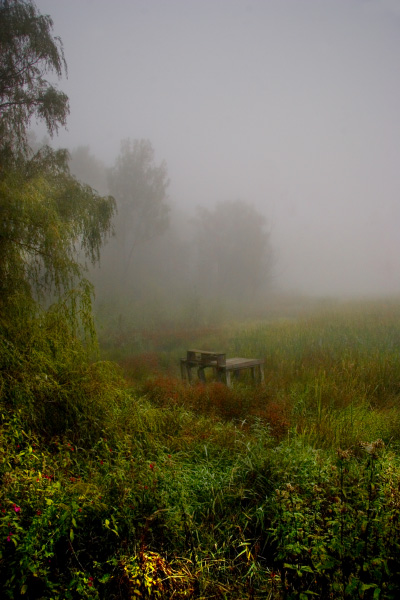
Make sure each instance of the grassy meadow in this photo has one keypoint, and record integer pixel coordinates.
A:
(121, 481)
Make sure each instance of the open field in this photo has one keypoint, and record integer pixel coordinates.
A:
(132, 484)
(334, 374)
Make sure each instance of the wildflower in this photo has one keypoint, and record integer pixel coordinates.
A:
(9, 537)
(90, 581)
(17, 508)
(151, 465)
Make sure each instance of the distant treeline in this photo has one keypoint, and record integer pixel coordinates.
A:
(222, 253)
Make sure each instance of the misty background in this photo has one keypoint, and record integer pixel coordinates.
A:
(291, 108)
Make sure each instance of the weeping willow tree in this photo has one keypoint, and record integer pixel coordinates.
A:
(28, 54)
(51, 225)
(49, 220)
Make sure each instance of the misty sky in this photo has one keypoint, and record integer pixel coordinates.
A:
(291, 105)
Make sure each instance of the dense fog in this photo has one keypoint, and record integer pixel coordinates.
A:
(271, 132)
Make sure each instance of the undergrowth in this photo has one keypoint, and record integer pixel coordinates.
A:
(124, 482)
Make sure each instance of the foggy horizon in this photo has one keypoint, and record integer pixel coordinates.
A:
(292, 107)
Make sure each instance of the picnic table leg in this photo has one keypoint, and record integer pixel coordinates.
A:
(228, 378)
(262, 380)
(220, 375)
(189, 372)
(183, 369)
(201, 374)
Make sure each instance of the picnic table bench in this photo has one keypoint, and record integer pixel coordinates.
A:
(223, 367)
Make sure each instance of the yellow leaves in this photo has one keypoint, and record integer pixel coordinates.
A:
(112, 527)
(151, 573)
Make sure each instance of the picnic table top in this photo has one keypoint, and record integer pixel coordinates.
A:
(207, 352)
(212, 358)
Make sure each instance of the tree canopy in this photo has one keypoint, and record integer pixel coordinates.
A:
(49, 221)
(234, 252)
(139, 187)
(28, 54)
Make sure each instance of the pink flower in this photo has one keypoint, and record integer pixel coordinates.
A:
(17, 508)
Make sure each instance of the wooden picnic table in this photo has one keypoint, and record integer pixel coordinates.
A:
(223, 367)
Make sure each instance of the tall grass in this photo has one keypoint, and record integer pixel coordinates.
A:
(150, 488)
(333, 374)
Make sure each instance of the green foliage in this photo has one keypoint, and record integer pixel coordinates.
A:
(48, 220)
(47, 217)
(185, 493)
(28, 53)
(45, 372)
(101, 521)
(334, 523)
